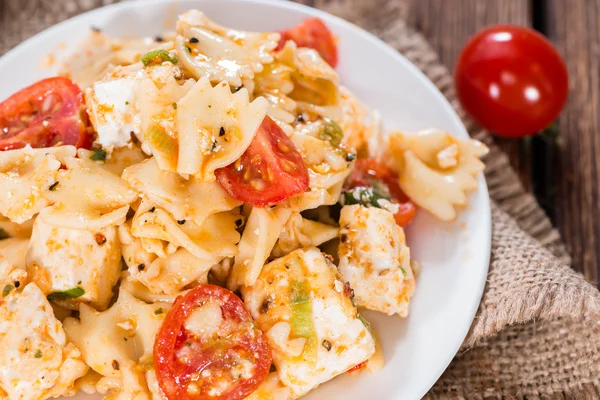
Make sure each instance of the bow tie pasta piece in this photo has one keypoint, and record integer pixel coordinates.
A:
(38, 362)
(168, 274)
(118, 160)
(86, 196)
(300, 232)
(315, 82)
(215, 127)
(436, 170)
(185, 199)
(221, 53)
(260, 234)
(26, 175)
(100, 53)
(141, 101)
(118, 343)
(375, 260)
(327, 164)
(316, 197)
(274, 83)
(74, 265)
(215, 237)
(313, 329)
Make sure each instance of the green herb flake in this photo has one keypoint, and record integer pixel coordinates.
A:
(188, 49)
(125, 339)
(366, 324)
(331, 132)
(157, 56)
(68, 294)
(38, 354)
(174, 105)
(98, 154)
(188, 344)
(365, 196)
(7, 289)
(403, 271)
(126, 103)
(3, 234)
(158, 311)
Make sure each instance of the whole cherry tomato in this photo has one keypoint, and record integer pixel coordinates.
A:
(511, 80)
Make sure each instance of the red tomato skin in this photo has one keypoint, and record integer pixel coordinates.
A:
(269, 139)
(370, 167)
(313, 33)
(66, 125)
(511, 80)
(171, 334)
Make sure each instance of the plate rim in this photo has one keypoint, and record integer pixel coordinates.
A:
(373, 40)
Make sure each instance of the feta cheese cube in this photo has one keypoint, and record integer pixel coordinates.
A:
(60, 259)
(313, 329)
(375, 260)
(111, 106)
(36, 361)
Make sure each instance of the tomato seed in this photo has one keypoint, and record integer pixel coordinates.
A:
(284, 148)
(258, 184)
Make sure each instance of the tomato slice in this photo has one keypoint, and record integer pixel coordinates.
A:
(227, 363)
(270, 171)
(313, 33)
(363, 175)
(47, 113)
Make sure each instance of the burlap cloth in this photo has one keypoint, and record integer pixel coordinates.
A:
(537, 332)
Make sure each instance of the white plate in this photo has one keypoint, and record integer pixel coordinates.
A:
(454, 256)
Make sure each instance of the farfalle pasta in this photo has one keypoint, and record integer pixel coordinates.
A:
(205, 215)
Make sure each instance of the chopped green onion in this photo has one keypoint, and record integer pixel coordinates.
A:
(99, 154)
(301, 319)
(7, 289)
(3, 234)
(403, 271)
(158, 139)
(366, 324)
(366, 196)
(68, 294)
(38, 354)
(331, 132)
(154, 56)
(158, 311)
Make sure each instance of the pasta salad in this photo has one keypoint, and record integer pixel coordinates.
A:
(203, 215)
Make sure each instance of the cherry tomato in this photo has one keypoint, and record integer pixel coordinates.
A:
(232, 360)
(366, 170)
(45, 114)
(270, 171)
(511, 80)
(313, 33)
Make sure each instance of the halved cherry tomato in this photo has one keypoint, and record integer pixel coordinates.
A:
(45, 114)
(366, 170)
(229, 362)
(511, 80)
(270, 171)
(357, 367)
(313, 33)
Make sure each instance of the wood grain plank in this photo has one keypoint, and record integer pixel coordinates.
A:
(449, 24)
(575, 28)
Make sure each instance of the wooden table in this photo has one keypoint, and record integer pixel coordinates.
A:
(561, 173)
